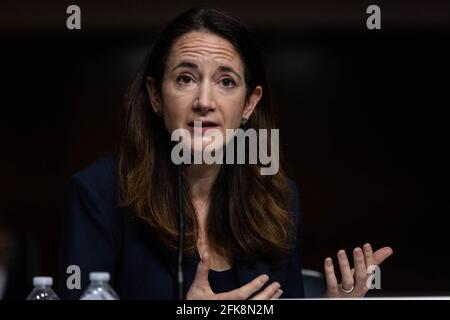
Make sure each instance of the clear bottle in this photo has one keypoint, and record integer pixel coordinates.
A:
(99, 289)
(42, 289)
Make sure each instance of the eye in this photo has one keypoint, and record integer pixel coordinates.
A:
(228, 82)
(184, 79)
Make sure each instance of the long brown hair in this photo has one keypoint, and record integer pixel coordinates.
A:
(249, 213)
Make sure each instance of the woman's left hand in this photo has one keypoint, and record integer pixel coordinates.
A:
(354, 281)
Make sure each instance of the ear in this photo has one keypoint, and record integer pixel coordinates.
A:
(252, 101)
(154, 95)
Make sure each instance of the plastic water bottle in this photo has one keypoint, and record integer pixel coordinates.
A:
(99, 289)
(42, 289)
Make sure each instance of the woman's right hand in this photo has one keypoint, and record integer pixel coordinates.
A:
(201, 290)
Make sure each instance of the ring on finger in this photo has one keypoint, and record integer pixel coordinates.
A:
(347, 290)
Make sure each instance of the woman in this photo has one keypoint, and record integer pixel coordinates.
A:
(241, 227)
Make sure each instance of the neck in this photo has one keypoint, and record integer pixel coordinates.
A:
(200, 179)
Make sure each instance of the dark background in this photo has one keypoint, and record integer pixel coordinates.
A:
(363, 119)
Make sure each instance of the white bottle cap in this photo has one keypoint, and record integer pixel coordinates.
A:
(42, 281)
(99, 276)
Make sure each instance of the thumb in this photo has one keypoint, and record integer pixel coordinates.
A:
(201, 276)
(382, 254)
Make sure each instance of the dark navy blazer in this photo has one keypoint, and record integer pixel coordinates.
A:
(100, 236)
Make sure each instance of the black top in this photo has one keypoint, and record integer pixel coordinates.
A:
(101, 236)
(222, 281)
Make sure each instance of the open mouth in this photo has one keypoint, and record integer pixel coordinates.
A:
(205, 124)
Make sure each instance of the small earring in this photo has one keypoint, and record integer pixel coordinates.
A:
(159, 113)
(244, 121)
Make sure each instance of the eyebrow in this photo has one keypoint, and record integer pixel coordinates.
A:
(186, 64)
(189, 64)
(229, 69)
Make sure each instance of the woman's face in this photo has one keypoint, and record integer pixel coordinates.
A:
(203, 81)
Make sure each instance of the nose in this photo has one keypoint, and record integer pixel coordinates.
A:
(204, 101)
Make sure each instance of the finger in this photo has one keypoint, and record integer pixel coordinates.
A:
(201, 276)
(368, 255)
(268, 292)
(382, 254)
(360, 267)
(277, 294)
(245, 291)
(330, 277)
(346, 273)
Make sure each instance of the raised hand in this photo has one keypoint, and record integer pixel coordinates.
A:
(354, 281)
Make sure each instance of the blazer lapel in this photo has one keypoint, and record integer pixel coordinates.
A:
(190, 269)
